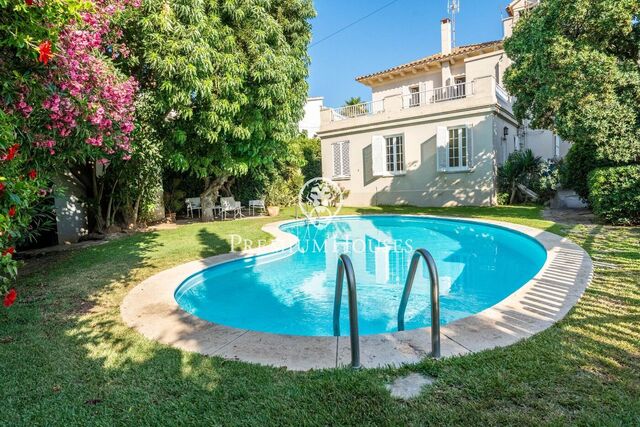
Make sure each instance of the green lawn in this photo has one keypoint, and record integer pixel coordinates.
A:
(67, 359)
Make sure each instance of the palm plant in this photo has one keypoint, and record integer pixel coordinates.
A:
(357, 107)
(520, 168)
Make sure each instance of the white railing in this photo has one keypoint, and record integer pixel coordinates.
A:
(358, 110)
(440, 94)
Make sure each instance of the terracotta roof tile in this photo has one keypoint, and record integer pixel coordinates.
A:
(436, 58)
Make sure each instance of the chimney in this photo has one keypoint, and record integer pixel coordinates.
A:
(445, 36)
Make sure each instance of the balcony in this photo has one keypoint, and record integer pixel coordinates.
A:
(477, 93)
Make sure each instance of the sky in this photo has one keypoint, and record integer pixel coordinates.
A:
(402, 32)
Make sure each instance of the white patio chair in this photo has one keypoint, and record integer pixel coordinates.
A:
(228, 204)
(257, 204)
(193, 204)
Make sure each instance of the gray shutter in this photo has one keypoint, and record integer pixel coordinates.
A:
(442, 142)
(346, 163)
(336, 159)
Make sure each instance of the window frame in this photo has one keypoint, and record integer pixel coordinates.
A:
(462, 154)
(394, 155)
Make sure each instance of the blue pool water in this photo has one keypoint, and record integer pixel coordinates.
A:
(291, 292)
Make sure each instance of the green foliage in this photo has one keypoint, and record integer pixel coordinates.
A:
(312, 157)
(522, 167)
(615, 194)
(228, 78)
(579, 162)
(575, 71)
(503, 199)
(354, 100)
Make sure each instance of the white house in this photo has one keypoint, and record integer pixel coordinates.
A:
(310, 123)
(434, 131)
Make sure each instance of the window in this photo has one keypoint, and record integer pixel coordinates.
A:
(341, 167)
(414, 96)
(556, 147)
(457, 148)
(454, 148)
(394, 154)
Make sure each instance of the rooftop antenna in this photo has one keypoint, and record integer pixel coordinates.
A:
(453, 6)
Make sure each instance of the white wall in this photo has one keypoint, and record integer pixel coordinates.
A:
(422, 184)
(311, 120)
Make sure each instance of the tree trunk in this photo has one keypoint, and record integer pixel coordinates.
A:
(514, 189)
(97, 199)
(210, 195)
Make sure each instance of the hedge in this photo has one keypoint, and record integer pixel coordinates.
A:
(614, 194)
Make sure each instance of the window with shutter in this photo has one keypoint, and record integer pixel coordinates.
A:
(454, 148)
(394, 146)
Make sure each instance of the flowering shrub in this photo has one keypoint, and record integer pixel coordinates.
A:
(62, 101)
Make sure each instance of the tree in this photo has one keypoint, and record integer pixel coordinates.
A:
(228, 78)
(575, 71)
(354, 100)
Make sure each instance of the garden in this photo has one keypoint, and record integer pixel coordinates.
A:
(146, 103)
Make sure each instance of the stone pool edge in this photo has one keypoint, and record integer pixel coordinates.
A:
(150, 309)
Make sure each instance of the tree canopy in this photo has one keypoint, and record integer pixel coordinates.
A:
(575, 71)
(227, 78)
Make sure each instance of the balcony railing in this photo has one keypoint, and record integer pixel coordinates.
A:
(440, 94)
(482, 88)
(358, 110)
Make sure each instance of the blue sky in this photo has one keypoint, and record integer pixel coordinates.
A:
(402, 32)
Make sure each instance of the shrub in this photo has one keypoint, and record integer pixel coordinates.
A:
(614, 193)
(580, 160)
(503, 199)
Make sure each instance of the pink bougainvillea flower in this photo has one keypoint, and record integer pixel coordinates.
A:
(33, 174)
(10, 298)
(2, 187)
(29, 2)
(12, 211)
(44, 51)
(11, 153)
(9, 251)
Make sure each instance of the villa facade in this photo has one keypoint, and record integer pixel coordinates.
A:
(434, 131)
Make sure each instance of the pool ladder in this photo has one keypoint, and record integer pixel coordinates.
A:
(345, 267)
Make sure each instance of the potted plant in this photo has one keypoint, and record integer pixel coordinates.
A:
(275, 197)
(173, 201)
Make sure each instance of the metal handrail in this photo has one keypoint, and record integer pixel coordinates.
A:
(345, 266)
(435, 300)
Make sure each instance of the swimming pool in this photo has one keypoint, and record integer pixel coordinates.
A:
(291, 292)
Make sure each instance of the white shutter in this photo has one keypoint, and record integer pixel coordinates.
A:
(336, 159)
(442, 142)
(346, 163)
(516, 143)
(423, 93)
(406, 97)
(469, 146)
(378, 155)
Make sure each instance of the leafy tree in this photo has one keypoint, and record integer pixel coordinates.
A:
(575, 71)
(229, 81)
